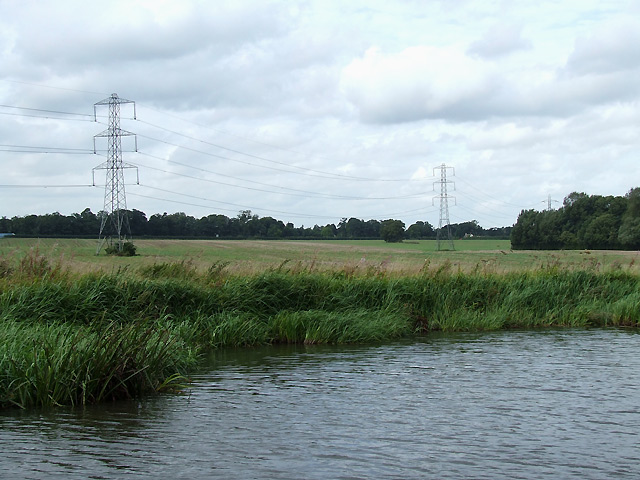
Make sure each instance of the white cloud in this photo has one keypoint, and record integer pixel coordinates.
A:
(611, 48)
(500, 40)
(419, 82)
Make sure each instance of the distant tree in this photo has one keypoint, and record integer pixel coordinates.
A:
(5, 225)
(459, 230)
(392, 231)
(355, 228)
(270, 228)
(595, 222)
(289, 230)
(629, 231)
(85, 223)
(549, 225)
(372, 229)
(213, 226)
(248, 223)
(328, 231)
(602, 232)
(137, 222)
(420, 229)
(524, 234)
(341, 230)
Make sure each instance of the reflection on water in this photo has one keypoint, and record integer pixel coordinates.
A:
(549, 404)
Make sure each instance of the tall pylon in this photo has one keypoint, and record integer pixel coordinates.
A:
(444, 206)
(114, 225)
(549, 201)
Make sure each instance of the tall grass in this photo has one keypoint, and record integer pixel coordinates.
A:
(75, 339)
(54, 364)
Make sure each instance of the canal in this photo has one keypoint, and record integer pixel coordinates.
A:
(499, 405)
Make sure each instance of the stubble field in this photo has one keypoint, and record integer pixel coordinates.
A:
(246, 257)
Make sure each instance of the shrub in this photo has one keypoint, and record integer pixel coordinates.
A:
(121, 249)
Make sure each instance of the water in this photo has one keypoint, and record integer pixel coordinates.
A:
(506, 405)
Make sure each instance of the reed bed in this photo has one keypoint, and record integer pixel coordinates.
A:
(76, 339)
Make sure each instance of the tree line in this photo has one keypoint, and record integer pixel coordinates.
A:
(583, 222)
(244, 225)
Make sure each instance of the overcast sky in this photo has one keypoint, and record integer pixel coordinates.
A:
(311, 111)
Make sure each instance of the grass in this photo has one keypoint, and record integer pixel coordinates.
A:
(248, 257)
(50, 364)
(72, 337)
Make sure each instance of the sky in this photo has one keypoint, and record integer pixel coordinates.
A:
(310, 111)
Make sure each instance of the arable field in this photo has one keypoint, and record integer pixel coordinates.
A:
(353, 256)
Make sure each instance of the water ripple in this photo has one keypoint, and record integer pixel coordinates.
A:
(506, 405)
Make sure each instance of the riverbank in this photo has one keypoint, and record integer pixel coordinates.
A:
(75, 339)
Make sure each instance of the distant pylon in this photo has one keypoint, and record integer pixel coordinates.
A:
(549, 201)
(115, 223)
(444, 207)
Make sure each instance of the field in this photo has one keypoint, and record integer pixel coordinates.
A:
(248, 257)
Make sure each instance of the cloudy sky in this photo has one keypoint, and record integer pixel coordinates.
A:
(311, 111)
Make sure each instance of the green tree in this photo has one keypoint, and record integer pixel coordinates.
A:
(420, 229)
(392, 231)
(328, 231)
(629, 232)
(525, 232)
(602, 232)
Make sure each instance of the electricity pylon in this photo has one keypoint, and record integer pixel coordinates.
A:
(444, 206)
(115, 223)
(549, 201)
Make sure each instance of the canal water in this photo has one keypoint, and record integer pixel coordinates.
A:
(505, 405)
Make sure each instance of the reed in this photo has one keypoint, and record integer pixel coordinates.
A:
(76, 339)
(53, 364)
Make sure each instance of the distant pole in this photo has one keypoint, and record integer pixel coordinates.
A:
(549, 200)
(115, 223)
(444, 207)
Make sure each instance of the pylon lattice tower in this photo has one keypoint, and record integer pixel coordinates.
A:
(444, 207)
(114, 225)
(549, 202)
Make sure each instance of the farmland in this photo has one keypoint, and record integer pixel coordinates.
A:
(246, 257)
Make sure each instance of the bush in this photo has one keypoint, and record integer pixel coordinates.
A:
(122, 249)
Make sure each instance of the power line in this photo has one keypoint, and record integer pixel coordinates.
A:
(46, 111)
(268, 145)
(320, 173)
(44, 151)
(245, 207)
(45, 186)
(39, 149)
(46, 117)
(484, 215)
(332, 177)
(489, 196)
(52, 87)
(298, 192)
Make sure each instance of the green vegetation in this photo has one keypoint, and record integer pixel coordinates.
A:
(249, 257)
(77, 338)
(122, 249)
(392, 231)
(245, 225)
(593, 222)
